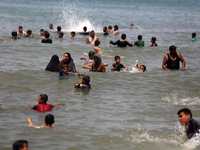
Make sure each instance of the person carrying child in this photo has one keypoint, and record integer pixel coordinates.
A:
(42, 104)
(117, 66)
(49, 120)
(84, 84)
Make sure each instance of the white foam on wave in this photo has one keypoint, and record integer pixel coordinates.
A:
(74, 20)
(181, 99)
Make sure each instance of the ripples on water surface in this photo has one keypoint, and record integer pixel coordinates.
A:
(123, 110)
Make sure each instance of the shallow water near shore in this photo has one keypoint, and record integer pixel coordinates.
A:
(123, 110)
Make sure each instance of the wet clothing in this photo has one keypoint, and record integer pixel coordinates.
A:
(92, 41)
(98, 67)
(193, 128)
(84, 33)
(43, 107)
(46, 41)
(121, 43)
(83, 86)
(119, 67)
(194, 39)
(68, 74)
(106, 33)
(154, 44)
(137, 43)
(71, 65)
(173, 64)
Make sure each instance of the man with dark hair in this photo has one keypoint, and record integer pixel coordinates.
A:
(139, 42)
(58, 29)
(46, 38)
(92, 38)
(172, 59)
(105, 30)
(122, 42)
(20, 145)
(84, 31)
(60, 35)
(192, 126)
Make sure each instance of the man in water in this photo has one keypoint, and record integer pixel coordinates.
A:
(172, 59)
(84, 31)
(115, 30)
(192, 126)
(21, 32)
(51, 26)
(92, 38)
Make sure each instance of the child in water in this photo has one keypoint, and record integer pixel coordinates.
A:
(117, 66)
(65, 70)
(29, 34)
(141, 69)
(20, 145)
(42, 104)
(153, 41)
(73, 35)
(97, 50)
(84, 84)
(49, 120)
(139, 42)
(194, 37)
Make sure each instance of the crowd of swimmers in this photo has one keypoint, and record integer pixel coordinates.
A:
(66, 67)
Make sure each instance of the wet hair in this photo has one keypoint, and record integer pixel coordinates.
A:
(96, 43)
(153, 38)
(144, 67)
(105, 28)
(29, 31)
(186, 111)
(116, 57)
(86, 79)
(84, 28)
(116, 27)
(65, 66)
(53, 64)
(69, 57)
(92, 31)
(20, 27)
(17, 145)
(41, 30)
(194, 34)
(14, 33)
(61, 33)
(46, 33)
(123, 36)
(73, 32)
(91, 53)
(139, 37)
(49, 119)
(172, 47)
(44, 97)
(109, 27)
(59, 28)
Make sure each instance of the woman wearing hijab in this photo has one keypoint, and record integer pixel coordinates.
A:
(53, 64)
(67, 60)
(98, 66)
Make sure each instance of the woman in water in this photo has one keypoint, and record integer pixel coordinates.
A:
(53, 64)
(67, 60)
(98, 66)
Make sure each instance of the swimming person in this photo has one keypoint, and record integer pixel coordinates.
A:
(192, 126)
(194, 37)
(67, 60)
(41, 32)
(84, 31)
(139, 42)
(97, 49)
(65, 70)
(92, 38)
(46, 38)
(20, 31)
(110, 29)
(84, 84)
(51, 26)
(58, 29)
(49, 120)
(105, 30)
(53, 64)
(117, 66)
(98, 66)
(172, 59)
(122, 42)
(14, 35)
(73, 34)
(153, 41)
(60, 35)
(131, 26)
(141, 69)
(20, 145)
(29, 34)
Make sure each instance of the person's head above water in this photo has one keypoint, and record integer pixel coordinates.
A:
(96, 43)
(14, 34)
(60, 35)
(92, 33)
(104, 29)
(85, 28)
(49, 119)
(139, 37)
(115, 27)
(123, 36)
(50, 26)
(73, 34)
(142, 68)
(91, 54)
(193, 35)
(20, 145)
(20, 28)
(67, 58)
(97, 59)
(184, 115)
(153, 39)
(46, 34)
(59, 28)
(29, 32)
(43, 98)
(86, 79)
(117, 59)
(172, 49)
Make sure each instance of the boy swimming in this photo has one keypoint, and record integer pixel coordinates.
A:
(84, 84)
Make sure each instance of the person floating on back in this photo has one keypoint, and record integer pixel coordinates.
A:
(84, 84)
(122, 42)
(65, 72)
(42, 104)
(49, 120)
(20, 145)
(117, 66)
(139, 42)
(46, 38)
(172, 60)
(153, 41)
(141, 69)
(192, 126)
(194, 37)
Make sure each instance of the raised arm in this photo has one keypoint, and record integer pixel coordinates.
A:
(31, 123)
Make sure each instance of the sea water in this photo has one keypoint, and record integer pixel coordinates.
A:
(123, 110)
